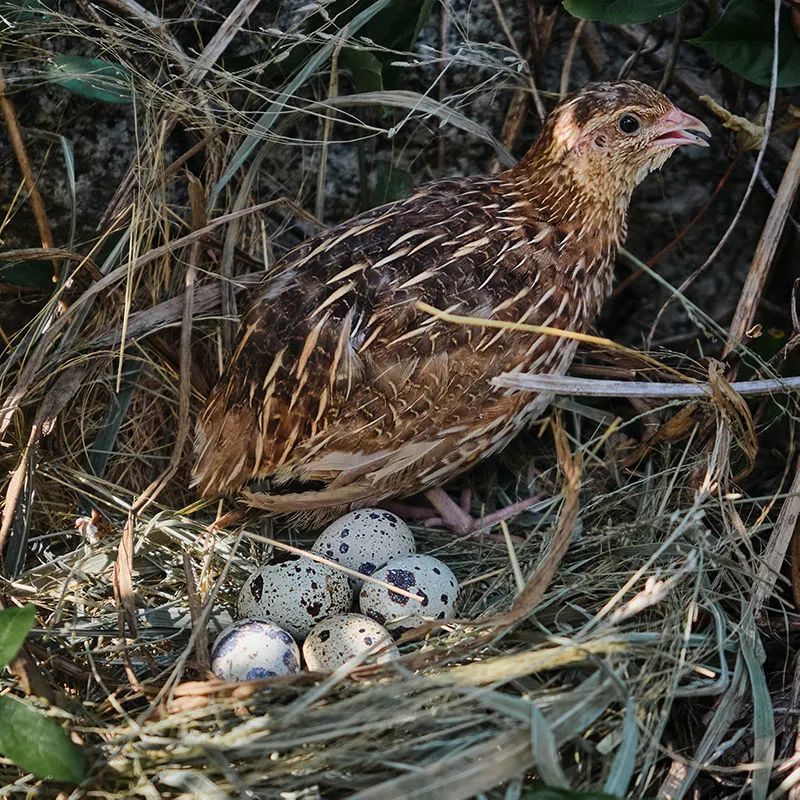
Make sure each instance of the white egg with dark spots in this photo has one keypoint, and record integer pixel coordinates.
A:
(364, 540)
(425, 576)
(252, 649)
(295, 592)
(336, 640)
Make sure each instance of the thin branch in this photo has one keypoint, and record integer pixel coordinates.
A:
(21, 153)
(595, 387)
(765, 252)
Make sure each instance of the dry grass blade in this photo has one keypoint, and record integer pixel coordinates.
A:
(51, 406)
(775, 554)
(504, 669)
(123, 581)
(524, 327)
(270, 116)
(201, 643)
(476, 770)
(221, 39)
(149, 19)
(533, 591)
(29, 374)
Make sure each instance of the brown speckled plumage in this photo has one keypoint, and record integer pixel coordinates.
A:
(338, 378)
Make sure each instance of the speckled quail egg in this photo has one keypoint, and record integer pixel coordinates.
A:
(252, 649)
(337, 639)
(422, 575)
(295, 592)
(365, 540)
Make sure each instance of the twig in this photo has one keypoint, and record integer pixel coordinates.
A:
(563, 87)
(673, 55)
(21, 153)
(327, 127)
(595, 387)
(298, 551)
(501, 18)
(765, 252)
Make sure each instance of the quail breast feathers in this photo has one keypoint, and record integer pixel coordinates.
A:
(339, 379)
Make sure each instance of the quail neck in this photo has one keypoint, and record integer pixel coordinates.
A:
(593, 151)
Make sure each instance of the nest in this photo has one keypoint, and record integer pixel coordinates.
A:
(616, 621)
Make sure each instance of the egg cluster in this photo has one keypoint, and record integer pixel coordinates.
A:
(292, 598)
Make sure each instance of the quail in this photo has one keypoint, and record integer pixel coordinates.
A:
(345, 390)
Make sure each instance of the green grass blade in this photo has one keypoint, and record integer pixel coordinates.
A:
(619, 777)
(763, 713)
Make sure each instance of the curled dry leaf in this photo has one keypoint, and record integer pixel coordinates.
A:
(734, 414)
(748, 134)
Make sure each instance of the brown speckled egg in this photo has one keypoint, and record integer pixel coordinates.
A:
(252, 649)
(364, 540)
(336, 640)
(423, 575)
(295, 593)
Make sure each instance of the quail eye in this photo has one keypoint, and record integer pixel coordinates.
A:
(628, 123)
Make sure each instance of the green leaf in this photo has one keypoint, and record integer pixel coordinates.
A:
(15, 625)
(742, 42)
(391, 184)
(92, 78)
(549, 793)
(620, 12)
(30, 274)
(38, 744)
(365, 70)
(396, 27)
(24, 12)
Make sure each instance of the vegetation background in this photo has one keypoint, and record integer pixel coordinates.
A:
(637, 636)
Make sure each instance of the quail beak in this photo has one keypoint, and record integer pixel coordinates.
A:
(676, 128)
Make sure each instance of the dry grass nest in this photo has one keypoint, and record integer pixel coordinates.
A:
(612, 641)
